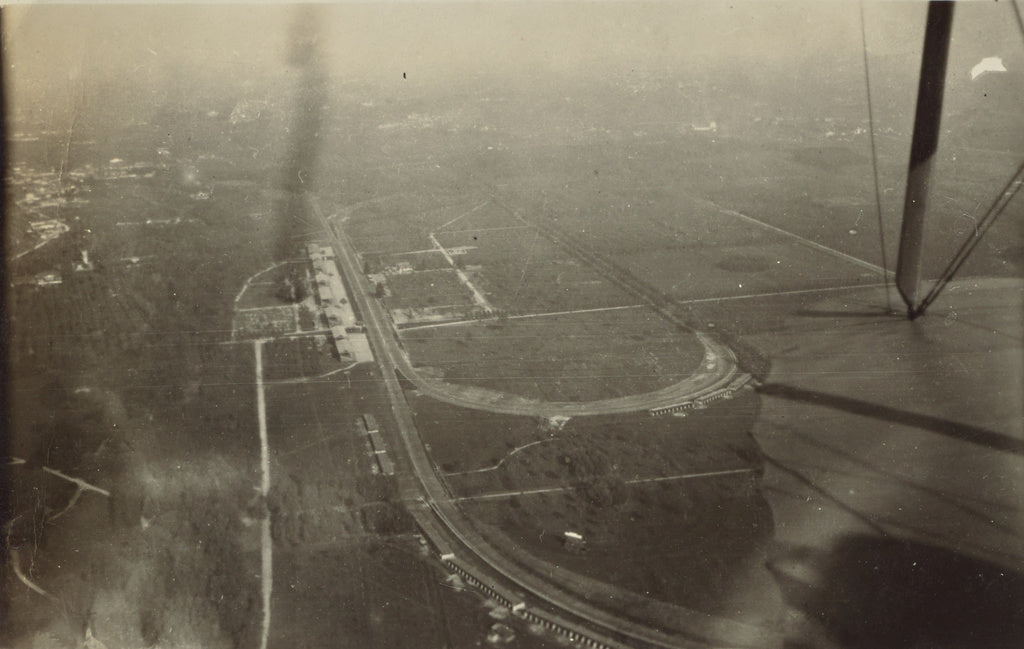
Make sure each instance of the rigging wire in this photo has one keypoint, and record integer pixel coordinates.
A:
(1009, 191)
(1020, 19)
(874, 157)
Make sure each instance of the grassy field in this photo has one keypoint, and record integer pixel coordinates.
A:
(348, 565)
(268, 288)
(638, 446)
(121, 377)
(668, 219)
(162, 418)
(392, 223)
(322, 472)
(462, 439)
(577, 357)
(390, 598)
(522, 272)
(683, 545)
(126, 375)
(427, 289)
(620, 481)
(308, 357)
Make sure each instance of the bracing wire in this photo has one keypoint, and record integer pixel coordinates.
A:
(999, 204)
(1020, 19)
(874, 158)
(1009, 191)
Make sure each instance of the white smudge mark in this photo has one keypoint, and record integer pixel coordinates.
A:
(987, 64)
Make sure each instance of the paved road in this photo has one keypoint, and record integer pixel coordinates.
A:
(390, 358)
(717, 369)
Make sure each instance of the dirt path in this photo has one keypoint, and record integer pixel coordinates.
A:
(266, 549)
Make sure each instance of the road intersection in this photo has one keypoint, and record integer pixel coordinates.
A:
(447, 526)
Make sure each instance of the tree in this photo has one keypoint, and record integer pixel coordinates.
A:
(379, 290)
(293, 287)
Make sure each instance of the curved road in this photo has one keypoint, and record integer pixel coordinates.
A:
(391, 359)
(717, 370)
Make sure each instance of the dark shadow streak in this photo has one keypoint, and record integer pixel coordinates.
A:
(298, 173)
(956, 430)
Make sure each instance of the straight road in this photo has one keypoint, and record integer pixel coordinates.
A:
(717, 370)
(390, 359)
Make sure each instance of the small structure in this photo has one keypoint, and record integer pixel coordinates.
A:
(84, 264)
(349, 337)
(48, 278)
(399, 268)
(371, 423)
(47, 227)
(500, 634)
(574, 541)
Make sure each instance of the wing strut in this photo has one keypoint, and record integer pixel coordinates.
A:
(927, 118)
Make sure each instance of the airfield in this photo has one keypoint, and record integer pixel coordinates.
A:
(303, 358)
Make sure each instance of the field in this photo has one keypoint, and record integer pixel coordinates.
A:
(269, 287)
(632, 485)
(391, 223)
(309, 357)
(680, 545)
(653, 159)
(426, 289)
(577, 357)
(465, 440)
(391, 598)
(351, 570)
(126, 378)
(522, 272)
(122, 381)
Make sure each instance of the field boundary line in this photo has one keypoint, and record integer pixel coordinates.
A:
(691, 476)
(508, 227)
(463, 215)
(248, 281)
(803, 240)
(636, 481)
(801, 291)
(594, 310)
(478, 297)
(502, 460)
(455, 323)
(278, 307)
(312, 379)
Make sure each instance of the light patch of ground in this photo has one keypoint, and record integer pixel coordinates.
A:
(574, 357)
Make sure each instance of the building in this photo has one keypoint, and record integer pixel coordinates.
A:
(49, 278)
(574, 542)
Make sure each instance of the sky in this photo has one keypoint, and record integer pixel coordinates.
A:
(48, 49)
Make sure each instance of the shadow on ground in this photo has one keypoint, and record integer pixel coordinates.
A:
(878, 593)
(957, 430)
